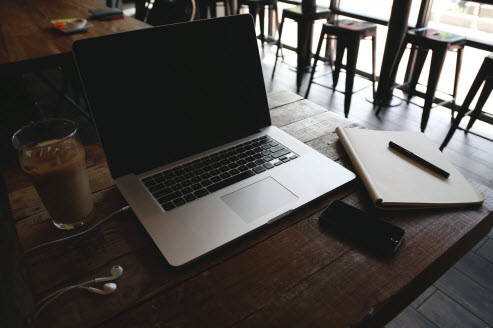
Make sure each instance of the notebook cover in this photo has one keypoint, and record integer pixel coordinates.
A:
(396, 181)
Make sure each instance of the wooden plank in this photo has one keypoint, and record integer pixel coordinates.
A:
(26, 202)
(15, 179)
(316, 126)
(473, 297)
(281, 98)
(477, 268)
(486, 251)
(423, 297)
(410, 318)
(444, 312)
(148, 274)
(286, 280)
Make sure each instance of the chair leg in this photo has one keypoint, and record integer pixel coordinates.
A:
(464, 109)
(340, 47)
(261, 17)
(352, 57)
(252, 9)
(418, 67)
(488, 86)
(278, 46)
(227, 8)
(315, 59)
(437, 60)
(212, 8)
(373, 62)
(458, 65)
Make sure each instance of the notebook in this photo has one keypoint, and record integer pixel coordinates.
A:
(395, 181)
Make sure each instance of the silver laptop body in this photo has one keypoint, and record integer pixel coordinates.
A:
(188, 219)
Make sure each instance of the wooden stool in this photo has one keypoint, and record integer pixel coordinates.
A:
(258, 7)
(438, 42)
(302, 18)
(485, 75)
(348, 33)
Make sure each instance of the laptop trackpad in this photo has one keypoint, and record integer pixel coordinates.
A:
(258, 199)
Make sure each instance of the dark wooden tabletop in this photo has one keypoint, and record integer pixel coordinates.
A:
(26, 33)
(291, 273)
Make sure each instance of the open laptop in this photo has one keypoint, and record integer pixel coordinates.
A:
(182, 114)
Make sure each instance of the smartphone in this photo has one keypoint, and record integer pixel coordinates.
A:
(378, 235)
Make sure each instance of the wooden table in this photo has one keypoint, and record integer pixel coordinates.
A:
(28, 42)
(291, 273)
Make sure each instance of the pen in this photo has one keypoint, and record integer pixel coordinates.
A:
(418, 159)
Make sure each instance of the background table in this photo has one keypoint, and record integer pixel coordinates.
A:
(290, 273)
(29, 42)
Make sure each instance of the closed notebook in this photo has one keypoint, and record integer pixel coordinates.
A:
(396, 181)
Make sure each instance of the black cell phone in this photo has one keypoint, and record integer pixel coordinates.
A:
(378, 235)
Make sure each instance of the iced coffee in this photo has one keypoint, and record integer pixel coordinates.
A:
(57, 169)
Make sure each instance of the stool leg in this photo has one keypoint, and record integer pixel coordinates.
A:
(352, 57)
(437, 60)
(315, 59)
(458, 65)
(261, 17)
(476, 84)
(373, 62)
(252, 9)
(238, 9)
(418, 67)
(278, 46)
(227, 8)
(488, 86)
(212, 8)
(340, 47)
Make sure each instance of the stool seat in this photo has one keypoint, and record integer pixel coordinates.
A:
(433, 36)
(297, 13)
(348, 33)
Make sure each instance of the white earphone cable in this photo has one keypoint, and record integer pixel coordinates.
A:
(80, 233)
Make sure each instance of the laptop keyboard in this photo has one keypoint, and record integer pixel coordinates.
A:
(190, 181)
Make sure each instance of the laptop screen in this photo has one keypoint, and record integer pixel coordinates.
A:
(165, 93)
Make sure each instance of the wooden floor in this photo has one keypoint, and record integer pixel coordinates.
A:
(463, 296)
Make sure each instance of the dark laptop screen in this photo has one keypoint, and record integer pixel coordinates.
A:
(162, 94)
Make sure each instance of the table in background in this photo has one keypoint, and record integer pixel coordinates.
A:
(290, 273)
(28, 41)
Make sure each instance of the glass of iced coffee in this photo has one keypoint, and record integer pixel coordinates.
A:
(51, 153)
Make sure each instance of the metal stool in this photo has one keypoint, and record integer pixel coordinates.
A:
(258, 7)
(302, 18)
(439, 43)
(485, 75)
(348, 33)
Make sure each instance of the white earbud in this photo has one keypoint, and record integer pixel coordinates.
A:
(108, 288)
(116, 273)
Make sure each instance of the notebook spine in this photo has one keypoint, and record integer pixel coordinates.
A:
(369, 185)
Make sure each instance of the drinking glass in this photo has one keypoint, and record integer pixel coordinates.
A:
(51, 153)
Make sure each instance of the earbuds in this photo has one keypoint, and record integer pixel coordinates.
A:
(108, 288)
(116, 273)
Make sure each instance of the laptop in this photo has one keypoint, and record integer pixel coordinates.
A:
(182, 114)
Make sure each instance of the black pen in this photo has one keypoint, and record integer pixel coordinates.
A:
(418, 159)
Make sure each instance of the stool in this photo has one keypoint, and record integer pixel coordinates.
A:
(209, 6)
(348, 33)
(485, 75)
(258, 7)
(438, 42)
(303, 19)
(213, 4)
